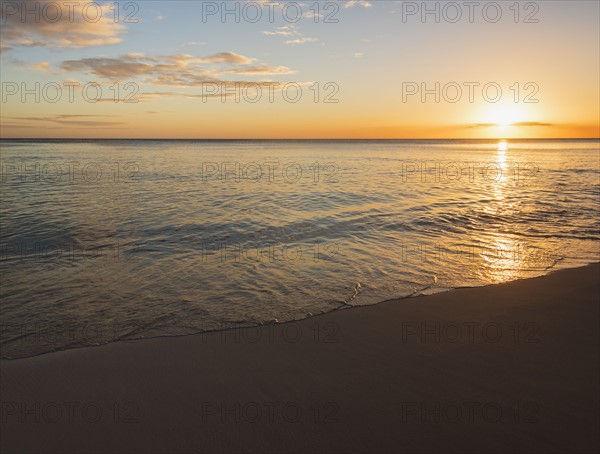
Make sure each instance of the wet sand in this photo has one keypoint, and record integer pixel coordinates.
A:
(505, 368)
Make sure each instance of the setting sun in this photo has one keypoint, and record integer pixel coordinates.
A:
(504, 116)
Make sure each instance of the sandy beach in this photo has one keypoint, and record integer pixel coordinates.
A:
(506, 368)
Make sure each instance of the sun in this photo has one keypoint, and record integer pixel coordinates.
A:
(504, 116)
(504, 119)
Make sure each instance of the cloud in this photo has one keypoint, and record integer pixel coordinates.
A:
(530, 123)
(481, 125)
(302, 40)
(290, 31)
(359, 54)
(173, 70)
(45, 23)
(522, 124)
(15, 125)
(285, 30)
(362, 3)
(265, 70)
(110, 68)
(42, 66)
(71, 120)
(227, 57)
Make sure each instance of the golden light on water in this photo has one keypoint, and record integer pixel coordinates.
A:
(502, 160)
(501, 261)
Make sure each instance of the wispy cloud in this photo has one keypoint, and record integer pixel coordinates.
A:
(42, 66)
(71, 120)
(302, 40)
(175, 70)
(69, 30)
(530, 123)
(284, 30)
(361, 3)
(227, 57)
(290, 31)
(522, 124)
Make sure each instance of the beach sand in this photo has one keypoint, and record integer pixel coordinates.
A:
(505, 368)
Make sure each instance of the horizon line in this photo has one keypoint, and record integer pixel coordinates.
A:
(300, 139)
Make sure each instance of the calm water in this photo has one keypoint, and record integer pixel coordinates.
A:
(106, 240)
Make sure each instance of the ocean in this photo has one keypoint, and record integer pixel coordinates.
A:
(108, 240)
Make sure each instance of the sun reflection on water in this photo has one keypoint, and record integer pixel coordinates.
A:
(501, 259)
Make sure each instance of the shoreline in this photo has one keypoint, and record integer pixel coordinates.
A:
(507, 367)
(417, 294)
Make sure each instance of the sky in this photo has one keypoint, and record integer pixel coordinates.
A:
(259, 69)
